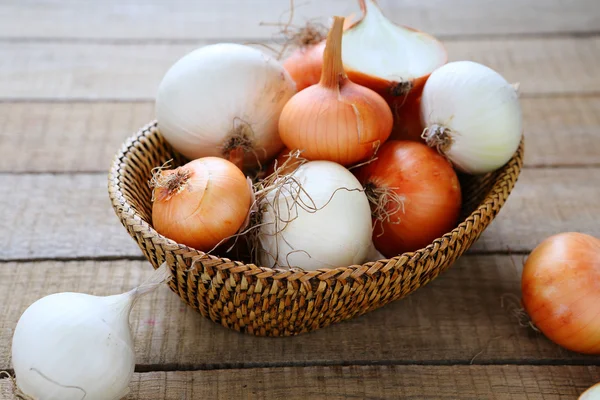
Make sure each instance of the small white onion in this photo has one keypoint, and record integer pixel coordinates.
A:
(70, 346)
(593, 393)
(335, 233)
(472, 115)
(222, 96)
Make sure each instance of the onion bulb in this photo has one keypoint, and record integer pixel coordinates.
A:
(318, 218)
(306, 62)
(393, 60)
(224, 100)
(201, 203)
(335, 120)
(561, 290)
(70, 346)
(304, 65)
(414, 193)
(472, 115)
(593, 393)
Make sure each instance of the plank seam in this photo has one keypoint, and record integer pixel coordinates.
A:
(149, 100)
(102, 172)
(126, 41)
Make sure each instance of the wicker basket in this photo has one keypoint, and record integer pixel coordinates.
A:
(281, 302)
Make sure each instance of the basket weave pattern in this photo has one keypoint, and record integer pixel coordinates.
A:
(281, 302)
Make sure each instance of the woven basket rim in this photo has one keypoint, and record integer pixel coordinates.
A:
(496, 195)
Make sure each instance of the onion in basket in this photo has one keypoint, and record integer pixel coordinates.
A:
(224, 100)
(335, 120)
(202, 203)
(472, 115)
(393, 60)
(71, 346)
(414, 193)
(318, 217)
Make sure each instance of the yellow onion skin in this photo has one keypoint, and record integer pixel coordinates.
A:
(325, 128)
(561, 290)
(206, 208)
(305, 64)
(335, 120)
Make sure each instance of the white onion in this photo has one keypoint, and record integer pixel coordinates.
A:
(220, 96)
(472, 115)
(593, 393)
(67, 345)
(337, 232)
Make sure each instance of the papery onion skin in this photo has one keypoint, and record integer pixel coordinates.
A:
(210, 206)
(429, 187)
(592, 393)
(305, 64)
(224, 100)
(337, 234)
(336, 120)
(280, 163)
(561, 290)
(472, 115)
(402, 94)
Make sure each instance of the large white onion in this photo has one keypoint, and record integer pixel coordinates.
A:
(337, 234)
(71, 346)
(472, 115)
(222, 96)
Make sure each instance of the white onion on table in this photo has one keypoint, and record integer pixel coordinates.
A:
(71, 346)
(224, 100)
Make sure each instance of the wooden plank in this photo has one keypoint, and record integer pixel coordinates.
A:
(457, 319)
(492, 382)
(49, 70)
(63, 137)
(544, 202)
(39, 137)
(67, 216)
(185, 19)
(60, 216)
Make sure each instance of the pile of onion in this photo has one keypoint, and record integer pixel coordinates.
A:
(236, 111)
(394, 61)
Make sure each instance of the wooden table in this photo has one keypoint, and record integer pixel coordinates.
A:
(78, 77)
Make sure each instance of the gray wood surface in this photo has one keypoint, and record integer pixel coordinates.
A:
(78, 77)
(462, 317)
(497, 382)
(41, 70)
(227, 19)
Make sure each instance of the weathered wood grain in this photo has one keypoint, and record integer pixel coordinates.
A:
(70, 216)
(186, 19)
(457, 319)
(490, 382)
(83, 137)
(66, 137)
(50, 70)
(46, 215)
